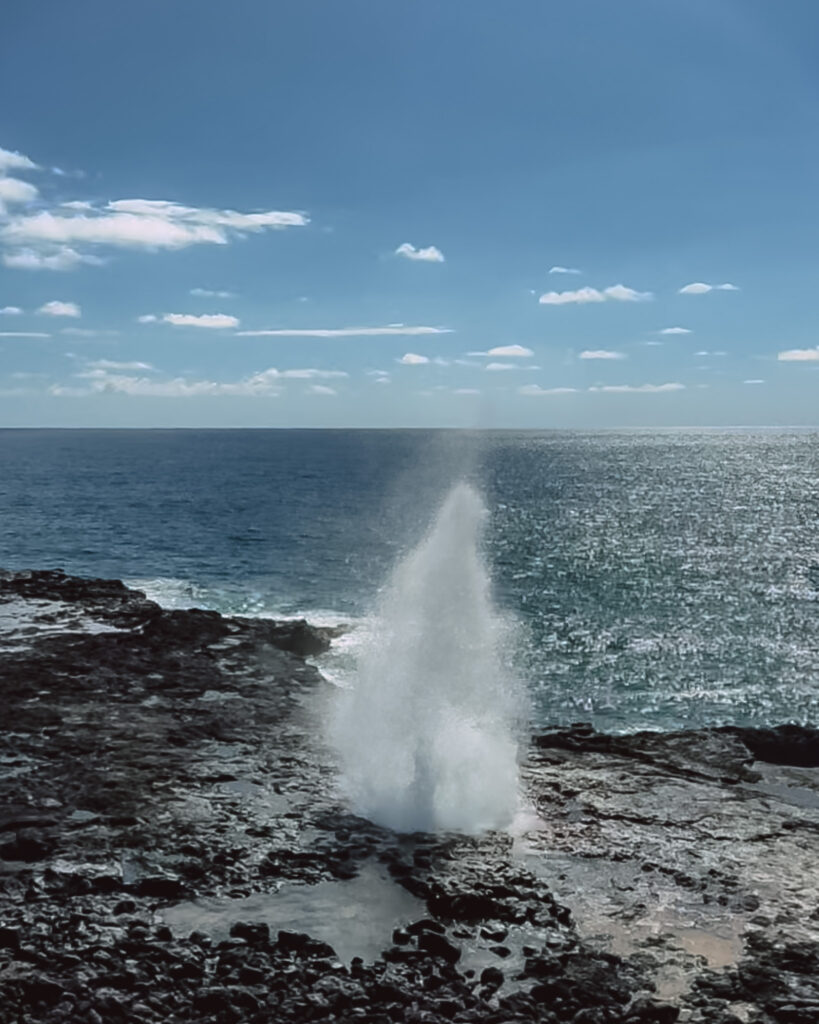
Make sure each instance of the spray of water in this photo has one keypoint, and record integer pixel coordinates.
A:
(426, 737)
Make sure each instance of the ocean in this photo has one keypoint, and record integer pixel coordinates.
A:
(654, 580)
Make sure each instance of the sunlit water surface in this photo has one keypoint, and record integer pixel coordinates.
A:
(658, 580)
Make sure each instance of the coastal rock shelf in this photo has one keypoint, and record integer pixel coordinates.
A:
(173, 847)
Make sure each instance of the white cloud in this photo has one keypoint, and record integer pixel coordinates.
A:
(511, 352)
(639, 388)
(700, 288)
(466, 391)
(60, 258)
(144, 223)
(601, 353)
(431, 254)
(495, 367)
(321, 389)
(615, 292)
(536, 389)
(24, 334)
(343, 332)
(13, 161)
(10, 311)
(44, 240)
(506, 352)
(620, 293)
(207, 293)
(412, 359)
(674, 330)
(799, 355)
(564, 270)
(210, 320)
(57, 308)
(755, 380)
(582, 295)
(12, 190)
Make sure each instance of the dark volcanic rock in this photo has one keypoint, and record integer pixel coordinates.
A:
(438, 945)
(162, 776)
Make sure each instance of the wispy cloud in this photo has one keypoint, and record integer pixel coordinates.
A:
(536, 389)
(430, 254)
(755, 380)
(24, 334)
(799, 355)
(207, 293)
(466, 391)
(496, 367)
(109, 377)
(412, 359)
(321, 389)
(601, 353)
(57, 308)
(309, 374)
(638, 388)
(10, 311)
(58, 236)
(87, 332)
(674, 330)
(143, 224)
(700, 288)
(506, 352)
(615, 293)
(109, 364)
(343, 332)
(564, 270)
(10, 160)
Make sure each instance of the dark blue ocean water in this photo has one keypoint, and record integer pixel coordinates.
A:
(659, 579)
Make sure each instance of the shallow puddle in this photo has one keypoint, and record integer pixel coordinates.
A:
(355, 917)
(798, 787)
(602, 897)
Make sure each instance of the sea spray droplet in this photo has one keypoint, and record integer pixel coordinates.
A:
(426, 737)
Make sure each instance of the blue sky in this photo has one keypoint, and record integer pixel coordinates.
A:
(373, 213)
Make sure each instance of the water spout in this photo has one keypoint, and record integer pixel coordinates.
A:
(426, 737)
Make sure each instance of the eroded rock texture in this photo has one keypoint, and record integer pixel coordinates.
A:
(173, 847)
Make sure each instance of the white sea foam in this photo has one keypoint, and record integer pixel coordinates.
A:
(426, 736)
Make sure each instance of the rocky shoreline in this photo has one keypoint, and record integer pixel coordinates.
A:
(173, 847)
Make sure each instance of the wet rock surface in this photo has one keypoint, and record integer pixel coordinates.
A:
(173, 847)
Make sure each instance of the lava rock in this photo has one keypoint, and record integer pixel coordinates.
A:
(254, 932)
(438, 945)
(160, 887)
(492, 976)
